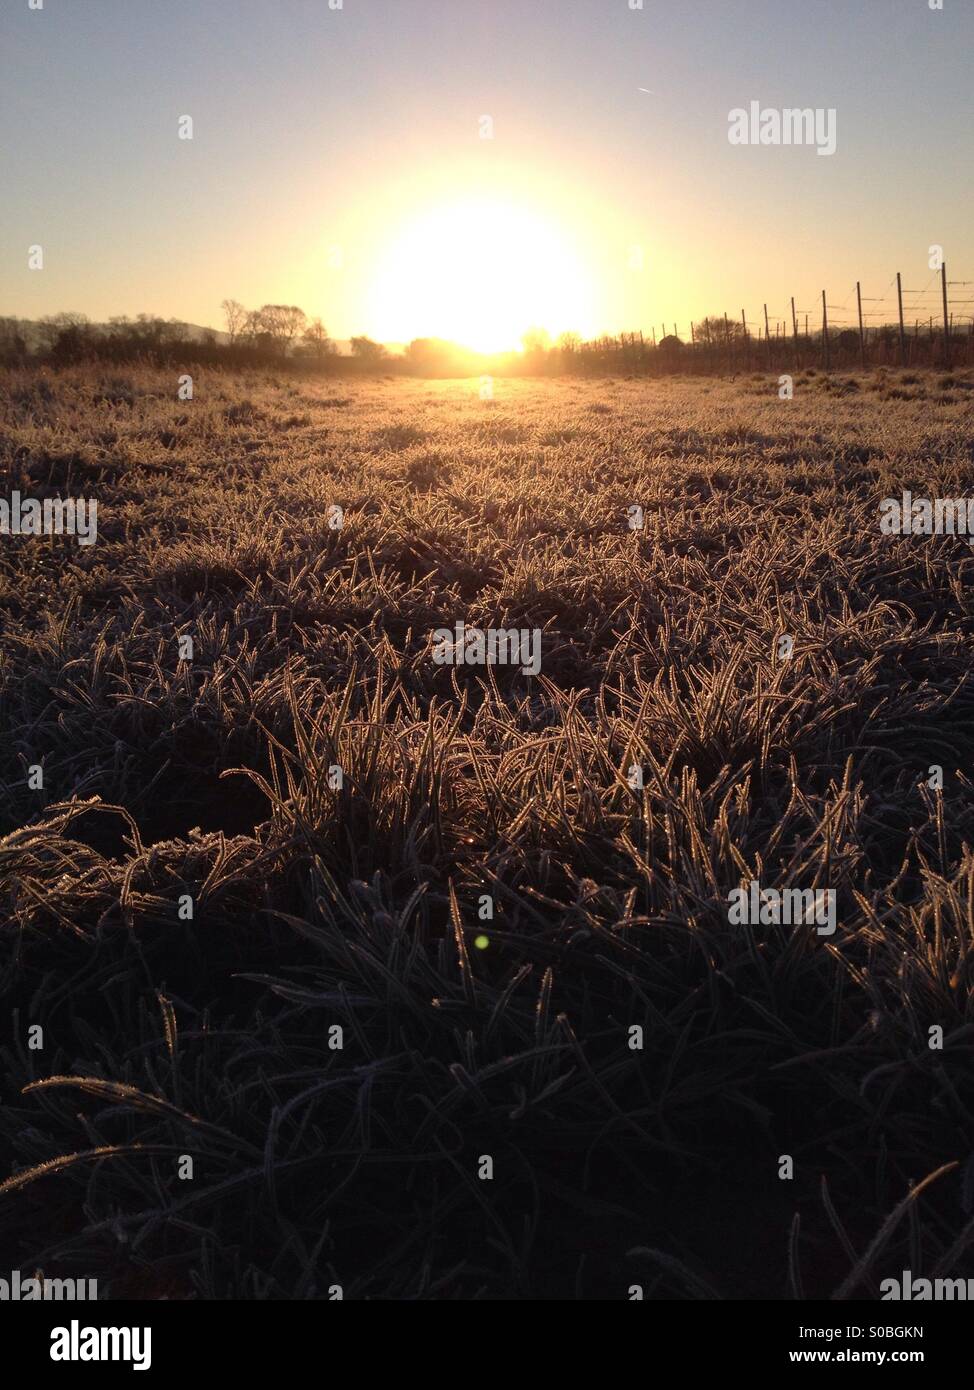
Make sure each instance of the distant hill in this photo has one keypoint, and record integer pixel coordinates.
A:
(32, 330)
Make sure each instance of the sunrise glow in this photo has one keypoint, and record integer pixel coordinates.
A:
(480, 272)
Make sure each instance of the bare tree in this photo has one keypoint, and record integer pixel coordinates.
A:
(236, 318)
(292, 323)
(718, 329)
(367, 351)
(317, 340)
(67, 337)
(253, 328)
(55, 326)
(281, 322)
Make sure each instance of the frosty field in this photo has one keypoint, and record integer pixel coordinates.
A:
(426, 966)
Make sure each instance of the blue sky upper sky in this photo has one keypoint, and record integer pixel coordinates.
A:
(337, 159)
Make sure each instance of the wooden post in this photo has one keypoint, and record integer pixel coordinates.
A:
(899, 296)
(825, 330)
(767, 334)
(943, 283)
(746, 345)
(794, 328)
(862, 336)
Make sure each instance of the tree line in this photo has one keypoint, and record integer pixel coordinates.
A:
(272, 334)
(282, 335)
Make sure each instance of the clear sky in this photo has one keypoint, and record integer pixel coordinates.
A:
(337, 159)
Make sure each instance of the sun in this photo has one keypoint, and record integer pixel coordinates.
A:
(479, 272)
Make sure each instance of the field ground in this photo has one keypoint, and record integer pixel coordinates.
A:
(168, 779)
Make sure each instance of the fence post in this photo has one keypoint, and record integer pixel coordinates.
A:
(943, 282)
(767, 335)
(899, 296)
(862, 336)
(825, 330)
(794, 328)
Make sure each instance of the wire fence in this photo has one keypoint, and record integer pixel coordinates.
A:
(906, 326)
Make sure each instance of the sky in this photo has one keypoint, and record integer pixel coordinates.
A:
(338, 160)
